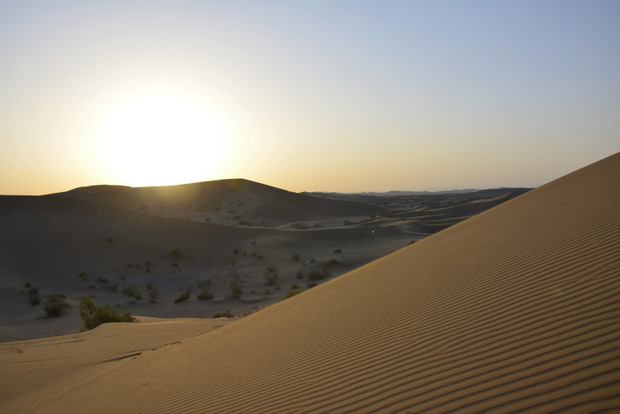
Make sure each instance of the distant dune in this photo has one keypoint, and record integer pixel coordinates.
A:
(515, 309)
(103, 240)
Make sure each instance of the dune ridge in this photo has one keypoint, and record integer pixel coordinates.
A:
(514, 310)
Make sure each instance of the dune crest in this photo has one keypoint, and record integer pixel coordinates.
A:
(515, 309)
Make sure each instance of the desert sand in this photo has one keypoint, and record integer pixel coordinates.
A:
(101, 240)
(515, 309)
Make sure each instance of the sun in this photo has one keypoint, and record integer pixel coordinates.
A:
(161, 138)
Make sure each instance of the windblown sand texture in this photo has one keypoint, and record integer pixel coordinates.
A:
(516, 309)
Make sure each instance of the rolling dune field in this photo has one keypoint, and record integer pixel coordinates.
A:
(516, 309)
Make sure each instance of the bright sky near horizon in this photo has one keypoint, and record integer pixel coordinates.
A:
(347, 95)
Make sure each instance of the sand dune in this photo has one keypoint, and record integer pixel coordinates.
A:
(100, 240)
(516, 309)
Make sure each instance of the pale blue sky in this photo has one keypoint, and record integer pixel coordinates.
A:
(306, 95)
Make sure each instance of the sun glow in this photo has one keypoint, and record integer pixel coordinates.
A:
(161, 138)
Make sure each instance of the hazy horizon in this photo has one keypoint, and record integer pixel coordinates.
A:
(348, 96)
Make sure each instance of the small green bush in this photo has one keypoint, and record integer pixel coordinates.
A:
(292, 292)
(226, 314)
(56, 304)
(153, 294)
(34, 298)
(175, 252)
(133, 292)
(184, 296)
(271, 275)
(319, 274)
(236, 288)
(205, 283)
(204, 295)
(94, 315)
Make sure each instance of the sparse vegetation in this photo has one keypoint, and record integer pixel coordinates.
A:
(292, 292)
(83, 276)
(271, 275)
(102, 279)
(204, 295)
(175, 252)
(236, 288)
(153, 295)
(296, 257)
(316, 274)
(184, 296)
(338, 251)
(34, 298)
(132, 291)
(226, 314)
(110, 240)
(300, 274)
(94, 315)
(56, 304)
(205, 283)
(333, 261)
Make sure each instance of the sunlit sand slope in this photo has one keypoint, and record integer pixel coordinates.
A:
(515, 309)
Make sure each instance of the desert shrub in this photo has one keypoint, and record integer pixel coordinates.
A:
(311, 285)
(236, 288)
(132, 291)
(34, 298)
(149, 285)
(319, 274)
(338, 251)
(94, 315)
(296, 257)
(292, 292)
(102, 279)
(174, 264)
(83, 276)
(153, 294)
(333, 261)
(300, 274)
(56, 304)
(271, 275)
(110, 239)
(204, 295)
(184, 296)
(175, 252)
(113, 287)
(205, 283)
(267, 292)
(226, 314)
